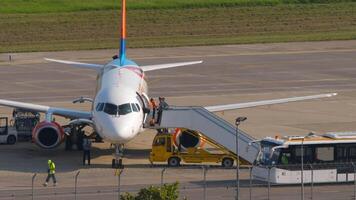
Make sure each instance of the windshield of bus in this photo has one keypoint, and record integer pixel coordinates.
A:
(268, 155)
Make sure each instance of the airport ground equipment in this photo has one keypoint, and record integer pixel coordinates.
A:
(164, 149)
(213, 128)
(25, 121)
(326, 158)
(7, 134)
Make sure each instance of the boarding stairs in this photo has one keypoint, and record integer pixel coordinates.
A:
(213, 127)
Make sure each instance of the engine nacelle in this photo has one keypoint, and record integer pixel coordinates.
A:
(186, 138)
(48, 135)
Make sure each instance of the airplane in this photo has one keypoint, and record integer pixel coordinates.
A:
(121, 102)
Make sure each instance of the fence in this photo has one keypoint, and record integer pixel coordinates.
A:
(207, 182)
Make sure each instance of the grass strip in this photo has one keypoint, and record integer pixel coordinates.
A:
(178, 27)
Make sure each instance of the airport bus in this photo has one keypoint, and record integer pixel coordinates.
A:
(326, 158)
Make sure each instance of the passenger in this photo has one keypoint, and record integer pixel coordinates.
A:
(153, 108)
(284, 159)
(51, 173)
(162, 106)
(86, 149)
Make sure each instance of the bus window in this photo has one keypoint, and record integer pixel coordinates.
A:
(274, 157)
(324, 154)
(264, 156)
(307, 157)
(341, 154)
(285, 158)
(352, 153)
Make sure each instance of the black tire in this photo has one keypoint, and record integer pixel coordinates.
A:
(173, 162)
(227, 162)
(11, 139)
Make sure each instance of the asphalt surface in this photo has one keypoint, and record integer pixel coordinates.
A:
(229, 74)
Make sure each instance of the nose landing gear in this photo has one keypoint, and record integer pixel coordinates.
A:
(116, 162)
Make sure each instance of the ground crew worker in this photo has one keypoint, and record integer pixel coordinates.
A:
(51, 173)
(86, 149)
(153, 108)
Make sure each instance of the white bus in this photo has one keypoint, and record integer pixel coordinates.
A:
(326, 158)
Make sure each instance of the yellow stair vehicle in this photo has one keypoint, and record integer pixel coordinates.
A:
(165, 149)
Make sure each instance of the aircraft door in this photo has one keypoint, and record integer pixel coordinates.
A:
(145, 105)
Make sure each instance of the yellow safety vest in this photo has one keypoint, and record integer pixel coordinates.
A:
(52, 168)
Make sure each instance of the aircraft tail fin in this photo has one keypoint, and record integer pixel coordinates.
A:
(122, 54)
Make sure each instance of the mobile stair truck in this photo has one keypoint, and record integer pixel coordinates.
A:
(195, 126)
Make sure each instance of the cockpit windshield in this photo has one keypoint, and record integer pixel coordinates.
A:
(124, 109)
(113, 109)
(110, 109)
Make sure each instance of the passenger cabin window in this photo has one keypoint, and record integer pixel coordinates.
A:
(110, 109)
(124, 109)
(324, 154)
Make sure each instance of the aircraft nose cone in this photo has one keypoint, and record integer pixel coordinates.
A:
(122, 131)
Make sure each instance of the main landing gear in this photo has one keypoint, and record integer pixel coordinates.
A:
(117, 160)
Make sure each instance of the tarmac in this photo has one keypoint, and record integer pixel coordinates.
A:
(229, 74)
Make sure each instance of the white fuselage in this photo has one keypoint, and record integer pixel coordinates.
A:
(117, 108)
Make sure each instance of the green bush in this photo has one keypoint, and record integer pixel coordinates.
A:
(166, 192)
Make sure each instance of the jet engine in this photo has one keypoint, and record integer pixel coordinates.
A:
(186, 138)
(48, 135)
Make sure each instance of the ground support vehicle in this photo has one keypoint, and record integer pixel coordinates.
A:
(327, 158)
(25, 121)
(8, 134)
(164, 150)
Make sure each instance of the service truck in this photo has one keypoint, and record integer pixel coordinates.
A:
(8, 135)
(164, 150)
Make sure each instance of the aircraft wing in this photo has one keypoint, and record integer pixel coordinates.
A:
(265, 102)
(47, 109)
(96, 67)
(169, 65)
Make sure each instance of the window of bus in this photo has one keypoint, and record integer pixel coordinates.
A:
(265, 157)
(341, 154)
(307, 157)
(285, 157)
(352, 153)
(324, 154)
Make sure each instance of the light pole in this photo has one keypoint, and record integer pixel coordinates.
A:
(302, 168)
(237, 123)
